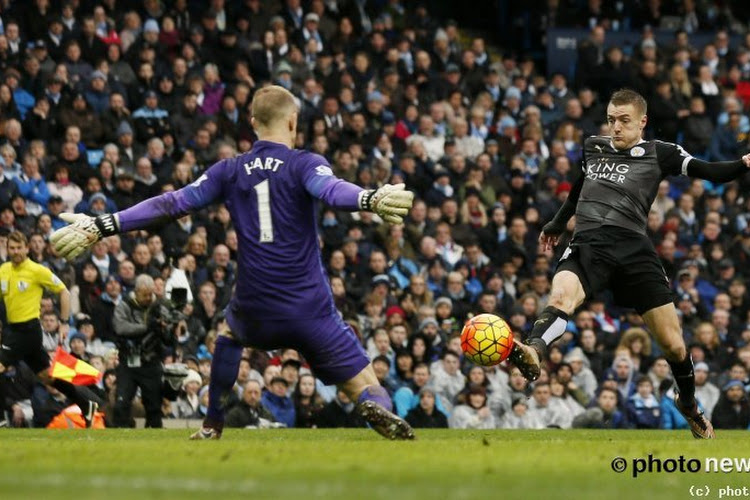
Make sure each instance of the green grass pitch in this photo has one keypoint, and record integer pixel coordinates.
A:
(354, 464)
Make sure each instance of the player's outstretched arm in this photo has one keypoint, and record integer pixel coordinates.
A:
(83, 230)
(390, 202)
(553, 229)
(718, 171)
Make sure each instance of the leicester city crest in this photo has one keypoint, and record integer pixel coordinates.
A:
(637, 151)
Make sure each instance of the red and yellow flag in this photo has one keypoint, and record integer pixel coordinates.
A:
(67, 367)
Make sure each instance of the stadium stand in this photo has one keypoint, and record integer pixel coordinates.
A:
(106, 103)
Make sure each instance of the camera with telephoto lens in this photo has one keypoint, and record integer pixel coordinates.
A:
(166, 314)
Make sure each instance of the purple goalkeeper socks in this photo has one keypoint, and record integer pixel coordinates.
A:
(377, 394)
(224, 368)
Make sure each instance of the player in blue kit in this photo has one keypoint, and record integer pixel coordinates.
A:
(282, 297)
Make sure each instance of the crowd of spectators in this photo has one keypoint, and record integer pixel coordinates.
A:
(102, 106)
(634, 15)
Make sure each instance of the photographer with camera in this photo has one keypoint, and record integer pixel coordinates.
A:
(142, 327)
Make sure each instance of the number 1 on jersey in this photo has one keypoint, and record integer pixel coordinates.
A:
(265, 226)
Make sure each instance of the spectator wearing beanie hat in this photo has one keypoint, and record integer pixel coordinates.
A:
(430, 329)
(278, 403)
(77, 344)
(188, 402)
(104, 308)
(444, 315)
(95, 346)
(129, 150)
(97, 204)
(395, 315)
(97, 94)
(427, 413)
(460, 297)
(733, 409)
(583, 377)
(706, 392)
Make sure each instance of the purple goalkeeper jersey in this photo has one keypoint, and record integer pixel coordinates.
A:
(272, 193)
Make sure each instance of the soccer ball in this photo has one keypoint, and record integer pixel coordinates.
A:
(486, 339)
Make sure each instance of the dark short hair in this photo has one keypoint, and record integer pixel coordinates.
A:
(644, 379)
(564, 364)
(628, 96)
(607, 389)
(450, 352)
(291, 363)
(382, 359)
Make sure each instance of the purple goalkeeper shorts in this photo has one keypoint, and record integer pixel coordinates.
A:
(328, 344)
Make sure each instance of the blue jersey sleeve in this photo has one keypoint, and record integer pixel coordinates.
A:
(319, 181)
(160, 209)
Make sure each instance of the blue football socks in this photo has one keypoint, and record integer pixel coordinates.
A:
(224, 367)
(377, 394)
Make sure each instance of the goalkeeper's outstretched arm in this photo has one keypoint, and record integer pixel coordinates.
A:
(83, 231)
(390, 202)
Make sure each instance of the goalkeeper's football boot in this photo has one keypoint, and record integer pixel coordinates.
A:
(699, 424)
(526, 358)
(209, 430)
(88, 412)
(385, 423)
(206, 433)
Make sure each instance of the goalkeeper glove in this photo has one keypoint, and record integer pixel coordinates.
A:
(390, 202)
(82, 232)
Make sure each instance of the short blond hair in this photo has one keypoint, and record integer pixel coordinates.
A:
(272, 104)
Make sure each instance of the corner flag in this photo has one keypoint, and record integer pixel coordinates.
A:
(67, 367)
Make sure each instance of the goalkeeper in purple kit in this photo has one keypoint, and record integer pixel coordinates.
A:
(282, 297)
